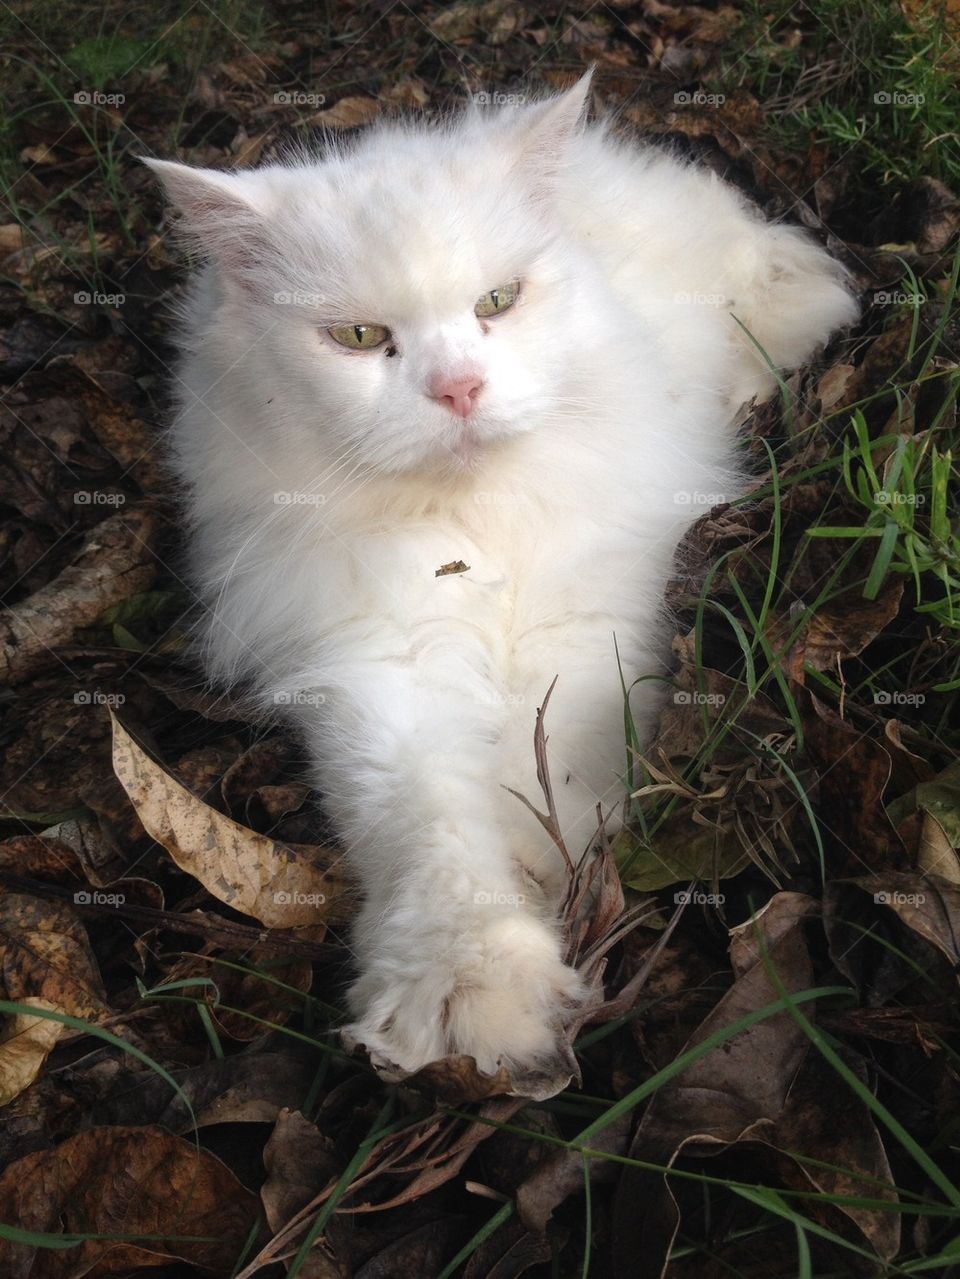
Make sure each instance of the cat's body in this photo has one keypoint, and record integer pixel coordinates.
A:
(558, 449)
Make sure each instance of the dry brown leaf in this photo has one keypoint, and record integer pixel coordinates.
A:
(25, 1043)
(735, 1088)
(844, 627)
(45, 954)
(348, 113)
(114, 563)
(132, 1181)
(275, 883)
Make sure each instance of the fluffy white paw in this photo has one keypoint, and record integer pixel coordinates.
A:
(493, 988)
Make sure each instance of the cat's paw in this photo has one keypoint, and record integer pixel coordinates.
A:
(495, 989)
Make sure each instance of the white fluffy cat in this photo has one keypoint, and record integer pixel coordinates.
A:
(507, 340)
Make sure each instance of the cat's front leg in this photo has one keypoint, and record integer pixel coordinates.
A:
(454, 954)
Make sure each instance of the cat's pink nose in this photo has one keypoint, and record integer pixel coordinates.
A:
(456, 394)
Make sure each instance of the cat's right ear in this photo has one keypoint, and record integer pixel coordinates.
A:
(221, 212)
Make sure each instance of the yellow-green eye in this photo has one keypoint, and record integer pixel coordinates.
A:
(497, 300)
(359, 337)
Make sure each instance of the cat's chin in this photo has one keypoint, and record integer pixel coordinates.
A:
(467, 453)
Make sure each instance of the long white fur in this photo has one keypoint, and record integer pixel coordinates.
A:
(606, 417)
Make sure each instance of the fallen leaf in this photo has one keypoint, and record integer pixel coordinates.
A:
(299, 1161)
(116, 1181)
(845, 626)
(114, 562)
(716, 1100)
(25, 1042)
(278, 884)
(348, 113)
(45, 954)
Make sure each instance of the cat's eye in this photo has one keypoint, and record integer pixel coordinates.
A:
(359, 337)
(497, 300)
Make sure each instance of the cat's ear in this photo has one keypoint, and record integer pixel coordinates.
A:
(546, 129)
(223, 212)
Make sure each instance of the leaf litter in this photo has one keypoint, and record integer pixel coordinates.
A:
(175, 1096)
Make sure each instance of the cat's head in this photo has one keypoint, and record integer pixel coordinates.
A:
(410, 298)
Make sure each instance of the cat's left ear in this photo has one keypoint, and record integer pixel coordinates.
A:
(547, 129)
(224, 213)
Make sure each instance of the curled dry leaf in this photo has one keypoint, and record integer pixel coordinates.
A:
(45, 954)
(928, 905)
(248, 1088)
(25, 1042)
(845, 626)
(741, 1084)
(281, 885)
(300, 1161)
(123, 1181)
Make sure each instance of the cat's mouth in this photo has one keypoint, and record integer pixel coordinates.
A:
(467, 446)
